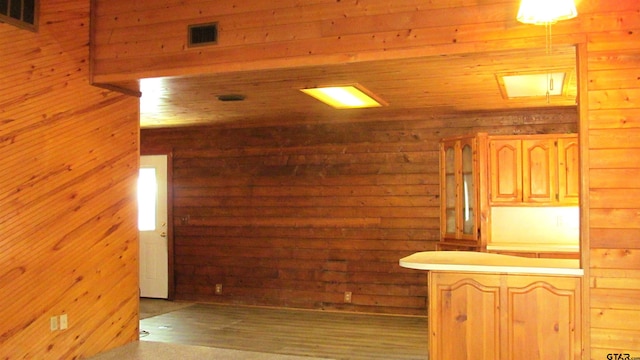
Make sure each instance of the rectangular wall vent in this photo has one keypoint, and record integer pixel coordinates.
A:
(21, 13)
(203, 34)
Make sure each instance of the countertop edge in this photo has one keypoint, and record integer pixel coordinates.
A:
(471, 261)
(533, 248)
(493, 269)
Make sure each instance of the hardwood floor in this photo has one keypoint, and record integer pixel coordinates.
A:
(154, 307)
(292, 332)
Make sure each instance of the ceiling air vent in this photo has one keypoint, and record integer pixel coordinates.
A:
(203, 34)
(21, 13)
(230, 97)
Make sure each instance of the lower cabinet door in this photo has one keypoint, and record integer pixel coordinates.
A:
(502, 316)
(543, 318)
(464, 318)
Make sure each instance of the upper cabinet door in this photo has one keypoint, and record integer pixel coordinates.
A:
(534, 170)
(459, 189)
(539, 165)
(468, 193)
(568, 170)
(505, 170)
(449, 188)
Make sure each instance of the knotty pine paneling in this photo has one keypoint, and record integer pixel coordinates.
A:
(608, 29)
(295, 215)
(613, 130)
(149, 39)
(68, 229)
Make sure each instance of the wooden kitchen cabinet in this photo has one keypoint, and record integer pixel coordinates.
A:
(534, 169)
(568, 170)
(464, 316)
(539, 170)
(504, 316)
(506, 170)
(462, 181)
(543, 317)
(481, 176)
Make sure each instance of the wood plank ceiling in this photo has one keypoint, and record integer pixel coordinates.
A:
(411, 87)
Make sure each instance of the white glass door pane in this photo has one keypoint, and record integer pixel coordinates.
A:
(147, 199)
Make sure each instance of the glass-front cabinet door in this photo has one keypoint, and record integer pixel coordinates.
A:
(450, 190)
(459, 190)
(468, 199)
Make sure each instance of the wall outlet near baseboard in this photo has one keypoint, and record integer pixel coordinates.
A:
(218, 289)
(347, 297)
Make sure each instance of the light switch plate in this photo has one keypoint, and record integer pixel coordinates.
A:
(53, 323)
(64, 324)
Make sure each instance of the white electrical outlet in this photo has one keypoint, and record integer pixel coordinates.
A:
(218, 289)
(53, 323)
(347, 296)
(64, 323)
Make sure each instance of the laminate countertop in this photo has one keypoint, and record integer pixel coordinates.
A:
(471, 261)
(536, 248)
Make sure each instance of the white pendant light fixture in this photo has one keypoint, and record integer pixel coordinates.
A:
(542, 12)
(546, 12)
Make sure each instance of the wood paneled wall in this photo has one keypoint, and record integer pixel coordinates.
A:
(148, 39)
(295, 215)
(614, 188)
(69, 153)
(289, 33)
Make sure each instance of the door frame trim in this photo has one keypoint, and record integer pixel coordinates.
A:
(170, 243)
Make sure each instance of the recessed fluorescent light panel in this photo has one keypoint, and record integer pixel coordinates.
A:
(533, 85)
(345, 97)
